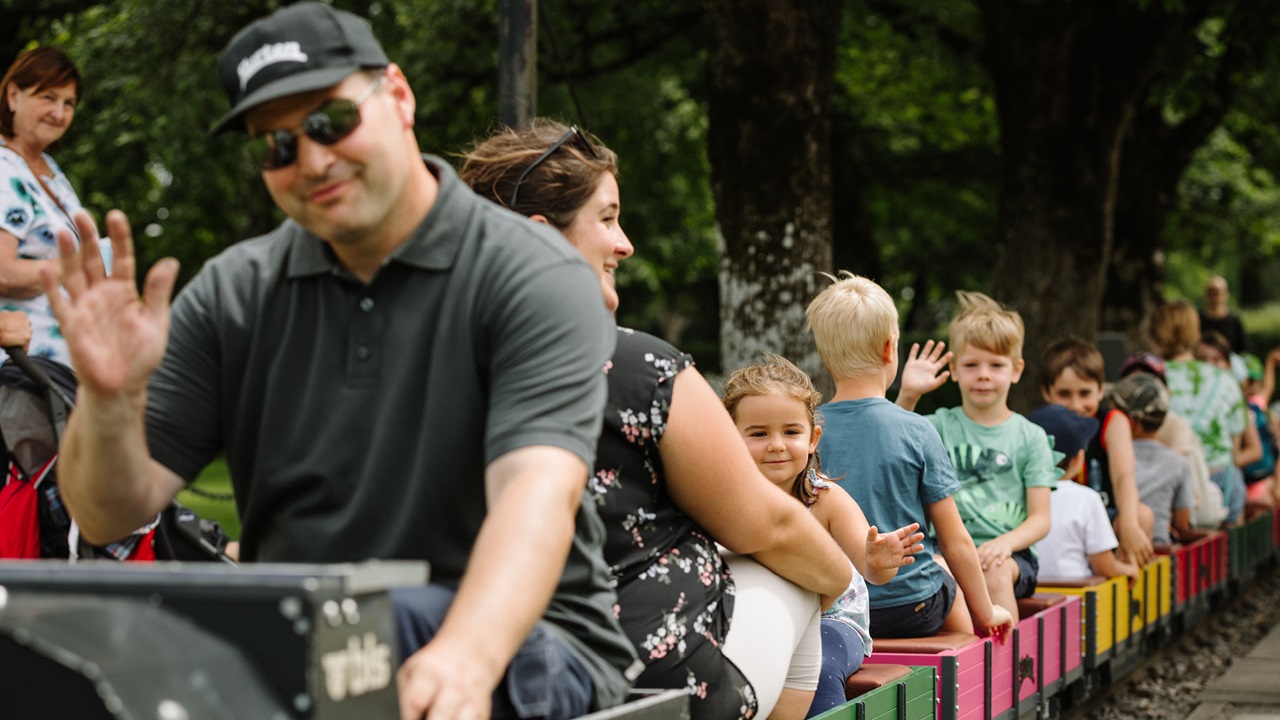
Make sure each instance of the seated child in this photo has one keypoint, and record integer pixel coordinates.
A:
(1177, 435)
(1259, 476)
(773, 403)
(1164, 476)
(1004, 462)
(894, 465)
(1080, 542)
(1072, 374)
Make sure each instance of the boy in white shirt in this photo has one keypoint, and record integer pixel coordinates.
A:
(1081, 541)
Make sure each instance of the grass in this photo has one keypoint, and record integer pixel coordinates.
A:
(1263, 325)
(215, 480)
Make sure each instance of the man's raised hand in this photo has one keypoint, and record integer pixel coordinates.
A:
(116, 337)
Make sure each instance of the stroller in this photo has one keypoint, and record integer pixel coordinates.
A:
(36, 396)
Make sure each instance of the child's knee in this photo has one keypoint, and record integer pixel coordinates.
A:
(1004, 575)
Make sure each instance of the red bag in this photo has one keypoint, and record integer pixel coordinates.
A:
(19, 514)
(146, 548)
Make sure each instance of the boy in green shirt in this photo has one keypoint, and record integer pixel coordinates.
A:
(1004, 461)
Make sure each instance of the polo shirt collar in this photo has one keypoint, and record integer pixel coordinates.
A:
(432, 246)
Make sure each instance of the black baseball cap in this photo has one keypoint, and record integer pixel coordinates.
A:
(1068, 432)
(300, 48)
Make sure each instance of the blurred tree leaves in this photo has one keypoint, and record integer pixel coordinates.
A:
(140, 140)
(916, 143)
(917, 170)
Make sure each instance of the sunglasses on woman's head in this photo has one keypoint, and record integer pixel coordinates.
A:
(572, 132)
(330, 123)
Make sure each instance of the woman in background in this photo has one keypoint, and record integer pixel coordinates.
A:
(41, 91)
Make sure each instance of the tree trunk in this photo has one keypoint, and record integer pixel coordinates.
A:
(1155, 157)
(1069, 77)
(770, 95)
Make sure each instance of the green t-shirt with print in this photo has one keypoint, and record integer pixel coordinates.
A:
(995, 466)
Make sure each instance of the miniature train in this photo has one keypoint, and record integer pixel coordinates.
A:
(1073, 640)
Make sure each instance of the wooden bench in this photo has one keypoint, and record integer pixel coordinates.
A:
(872, 676)
(959, 660)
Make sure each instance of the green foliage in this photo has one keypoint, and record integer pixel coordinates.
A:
(1226, 215)
(1263, 325)
(918, 113)
(140, 141)
(917, 135)
(215, 480)
(650, 111)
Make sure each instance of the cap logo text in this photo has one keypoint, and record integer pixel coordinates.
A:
(268, 55)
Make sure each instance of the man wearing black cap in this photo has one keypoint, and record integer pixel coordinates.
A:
(400, 370)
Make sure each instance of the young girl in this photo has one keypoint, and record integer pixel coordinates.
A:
(773, 404)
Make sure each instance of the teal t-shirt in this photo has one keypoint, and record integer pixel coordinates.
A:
(893, 464)
(995, 466)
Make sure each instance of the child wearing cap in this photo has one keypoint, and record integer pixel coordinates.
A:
(1177, 435)
(1080, 542)
(1163, 476)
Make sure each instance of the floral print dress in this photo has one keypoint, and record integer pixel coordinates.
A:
(675, 594)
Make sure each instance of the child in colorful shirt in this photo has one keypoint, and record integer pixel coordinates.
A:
(1207, 396)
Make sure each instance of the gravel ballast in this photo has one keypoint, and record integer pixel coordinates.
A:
(1168, 684)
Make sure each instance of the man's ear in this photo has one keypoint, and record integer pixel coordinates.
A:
(406, 103)
(540, 218)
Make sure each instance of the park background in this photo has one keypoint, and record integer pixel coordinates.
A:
(1078, 160)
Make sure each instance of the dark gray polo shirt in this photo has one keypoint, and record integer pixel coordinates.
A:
(357, 420)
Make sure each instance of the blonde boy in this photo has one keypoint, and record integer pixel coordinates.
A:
(1003, 460)
(893, 463)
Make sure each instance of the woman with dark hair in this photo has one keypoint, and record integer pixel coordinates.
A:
(673, 478)
(41, 91)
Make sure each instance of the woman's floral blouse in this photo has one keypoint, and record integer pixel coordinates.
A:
(675, 595)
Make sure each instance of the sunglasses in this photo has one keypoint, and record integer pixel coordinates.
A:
(572, 133)
(330, 123)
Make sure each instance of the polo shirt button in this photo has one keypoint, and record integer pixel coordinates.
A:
(363, 352)
(366, 304)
